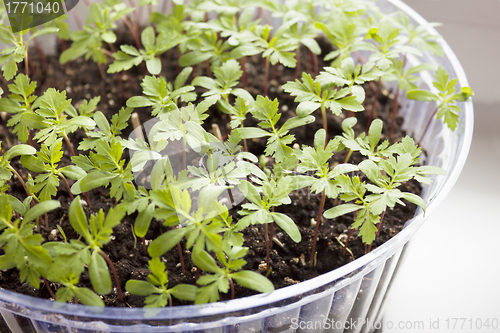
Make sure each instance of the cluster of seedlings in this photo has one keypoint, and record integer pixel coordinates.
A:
(193, 199)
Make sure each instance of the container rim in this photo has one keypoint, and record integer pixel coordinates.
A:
(221, 308)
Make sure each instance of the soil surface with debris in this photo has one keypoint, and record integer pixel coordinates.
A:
(290, 262)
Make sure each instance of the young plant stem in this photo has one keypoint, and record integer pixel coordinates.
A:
(266, 78)
(143, 244)
(48, 287)
(184, 157)
(315, 63)
(67, 186)
(115, 275)
(136, 15)
(112, 48)
(394, 112)
(373, 105)
(232, 287)
(209, 70)
(26, 64)
(309, 65)
(297, 67)
(30, 139)
(266, 237)
(176, 144)
(77, 20)
(20, 179)
(351, 231)
(380, 223)
(136, 39)
(348, 154)
(325, 125)
(101, 71)
(318, 222)
(70, 146)
(427, 127)
(181, 257)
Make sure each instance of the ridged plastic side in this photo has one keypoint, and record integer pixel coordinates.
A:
(354, 293)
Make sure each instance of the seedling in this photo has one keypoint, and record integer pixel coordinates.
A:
(6, 169)
(156, 288)
(52, 121)
(227, 78)
(46, 164)
(312, 95)
(221, 279)
(446, 99)
(323, 181)
(274, 49)
(267, 112)
(13, 55)
(260, 209)
(23, 249)
(154, 46)
(96, 233)
(20, 103)
(161, 95)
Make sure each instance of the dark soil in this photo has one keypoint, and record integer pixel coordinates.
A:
(82, 80)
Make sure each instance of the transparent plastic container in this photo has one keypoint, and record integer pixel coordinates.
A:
(352, 294)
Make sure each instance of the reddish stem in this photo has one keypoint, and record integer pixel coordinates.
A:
(315, 62)
(266, 237)
(26, 65)
(394, 112)
(427, 127)
(115, 275)
(297, 67)
(266, 78)
(318, 222)
(136, 39)
(88, 199)
(77, 20)
(67, 187)
(232, 288)
(348, 239)
(112, 48)
(209, 70)
(69, 145)
(48, 288)
(181, 257)
(380, 223)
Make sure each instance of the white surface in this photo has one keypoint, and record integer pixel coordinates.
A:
(452, 268)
